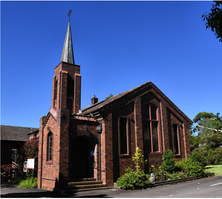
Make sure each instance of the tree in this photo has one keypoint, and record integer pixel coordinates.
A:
(195, 141)
(30, 150)
(214, 19)
(110, 95)
(208, 122)
(209, 128)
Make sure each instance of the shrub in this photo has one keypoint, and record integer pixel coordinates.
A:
(138, 159)
(214, 156)
(175, 175)
(29, 183)
(192, 168)
(163, 175)
(168, 161)
(158, 172)
(207, 157)
(200, 155)
(134, 179)
(179, 165)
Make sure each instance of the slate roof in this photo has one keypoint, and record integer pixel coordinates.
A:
(102, 104)
(83, 117)
(16, 133)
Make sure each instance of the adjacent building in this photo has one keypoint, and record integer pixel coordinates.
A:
(12, 140)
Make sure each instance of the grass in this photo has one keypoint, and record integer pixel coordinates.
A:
(217, 169)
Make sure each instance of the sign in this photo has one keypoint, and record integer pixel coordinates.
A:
(31, 163)
(25, 166)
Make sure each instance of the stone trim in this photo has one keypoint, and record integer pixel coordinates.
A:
(51, 179)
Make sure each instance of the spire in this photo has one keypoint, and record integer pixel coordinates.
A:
(67, 52)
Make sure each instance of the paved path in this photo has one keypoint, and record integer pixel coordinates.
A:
(203, 188)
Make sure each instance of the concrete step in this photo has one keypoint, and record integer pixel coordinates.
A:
(85, 186)
(82, 179)
(84, 182)
(64, 191)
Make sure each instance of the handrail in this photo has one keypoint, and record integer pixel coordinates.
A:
(66, 168)
(98, 169)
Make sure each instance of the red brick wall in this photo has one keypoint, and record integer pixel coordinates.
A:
(148, 96)
(50, 169)
(120, 162)
(107, 151)
(62, 71)
(77, 93)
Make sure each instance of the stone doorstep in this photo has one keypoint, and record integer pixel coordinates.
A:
(82, 179)
(86, 186)
(64, 191)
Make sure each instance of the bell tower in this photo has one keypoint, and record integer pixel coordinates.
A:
(66, 86)
(54, 140)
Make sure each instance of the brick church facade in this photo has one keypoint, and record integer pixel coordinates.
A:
(100, 140)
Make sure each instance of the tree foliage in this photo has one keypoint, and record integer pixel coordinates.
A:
(195, 141)
(209, 128)
(207, 123)
(214, 19)
(203, 115)
(29, 150)
(110, 95)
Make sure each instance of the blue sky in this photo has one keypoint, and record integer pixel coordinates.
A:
(119, 45)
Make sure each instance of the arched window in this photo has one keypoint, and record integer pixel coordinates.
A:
(150, 128)
(49, 147)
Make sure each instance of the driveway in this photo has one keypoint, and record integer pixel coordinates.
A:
(203, 188)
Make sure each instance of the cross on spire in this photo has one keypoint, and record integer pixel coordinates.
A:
(67, 52)
(69, 14)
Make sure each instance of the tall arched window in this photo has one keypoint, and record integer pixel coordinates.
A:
(49, 147)
(150, 128)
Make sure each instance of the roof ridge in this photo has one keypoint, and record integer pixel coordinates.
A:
(115, 96)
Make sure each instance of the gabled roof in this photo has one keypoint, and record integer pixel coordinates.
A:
(96, 107)
(103, 103)
(16, 133)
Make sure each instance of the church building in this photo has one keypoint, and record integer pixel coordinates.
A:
(99, 141)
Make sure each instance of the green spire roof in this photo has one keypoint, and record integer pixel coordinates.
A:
(67, 52)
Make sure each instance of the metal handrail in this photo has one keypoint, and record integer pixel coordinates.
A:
(98, 169)
(67, 167)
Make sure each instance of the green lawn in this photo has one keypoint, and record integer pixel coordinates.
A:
(217, 169)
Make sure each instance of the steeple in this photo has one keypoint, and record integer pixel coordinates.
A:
(67, 52)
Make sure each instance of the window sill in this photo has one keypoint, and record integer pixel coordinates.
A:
(156, 152)
(49, 162)
(124, 156)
